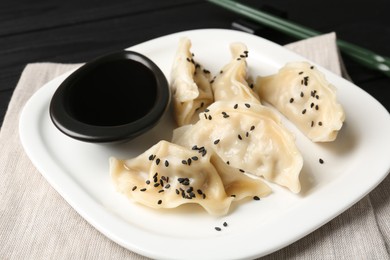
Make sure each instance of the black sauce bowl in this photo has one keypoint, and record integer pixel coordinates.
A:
(113, 98)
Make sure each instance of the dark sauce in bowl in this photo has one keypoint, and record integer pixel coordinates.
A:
(113, 98)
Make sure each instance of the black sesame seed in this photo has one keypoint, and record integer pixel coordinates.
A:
(291, 100)
(312, 123)
(251, 85)
(241, 170)
(305, 79)
(317, 97)
(134, 188)
(218, 228)
(155, 175)
(210, 117)
(147, 181)
(184, 162)
(206, 110)
(144, 189)
(247, 105)
(200, 192)
(206, 71)
(195, 147)
(159, 202)
(239, 137)
(252, 128)
(304, 111)
(317, 107)
(242, 56)
(190, 189)
(238, 59)
(212, 81)
(189, 161)
(246, 134)
(216, 141)
(320, 123)
(312, 105)
(225, 224)
(221, 72)
(228, 163)
(155, 179)
(188, 59)
(302, 94)
(160, 191)
(151, 157)
(233, 195)
(321, 161)
(311, 67)
(158, 161)
(161, 182)
(167, 186)
(177, 191)
(256, 198)
(195, 158)
(235, 106)
(204, 196)
(156, 184)
(300, 73)
(166, 163)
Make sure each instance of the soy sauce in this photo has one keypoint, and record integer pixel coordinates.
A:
(113, 93)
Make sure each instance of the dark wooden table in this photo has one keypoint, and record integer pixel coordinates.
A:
(76, 31)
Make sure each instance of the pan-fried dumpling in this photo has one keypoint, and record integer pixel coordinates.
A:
(168, 175)
(302, 94)
(231, 83)
(190, 83)
(248, 136)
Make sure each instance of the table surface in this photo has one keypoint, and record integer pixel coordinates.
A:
(76, 31)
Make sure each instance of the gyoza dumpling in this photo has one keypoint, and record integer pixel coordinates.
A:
(190, 84)
(168, 175)
(231, 83)
(302, 94)
(248, 136)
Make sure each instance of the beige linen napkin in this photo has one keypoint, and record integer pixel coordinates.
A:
(37, 223)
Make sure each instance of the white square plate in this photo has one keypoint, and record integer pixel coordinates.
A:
(353, 165)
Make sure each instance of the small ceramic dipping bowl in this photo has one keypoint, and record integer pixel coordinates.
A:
(113, 98)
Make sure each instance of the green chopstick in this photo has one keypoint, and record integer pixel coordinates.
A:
(364, 56)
